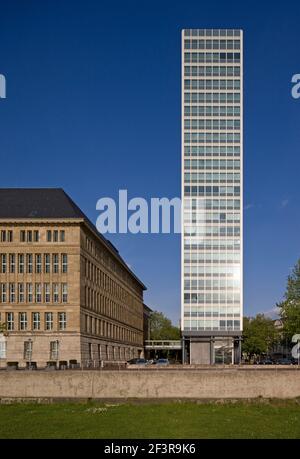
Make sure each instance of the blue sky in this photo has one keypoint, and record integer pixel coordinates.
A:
(93, 106)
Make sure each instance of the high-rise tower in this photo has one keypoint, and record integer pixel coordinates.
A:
(212, 195)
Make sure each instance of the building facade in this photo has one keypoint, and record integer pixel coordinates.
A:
(65, 292)
(212, 195)
(147, 328)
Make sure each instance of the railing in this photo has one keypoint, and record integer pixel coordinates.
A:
(163, 344)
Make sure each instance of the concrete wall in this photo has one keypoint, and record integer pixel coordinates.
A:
(159, 383)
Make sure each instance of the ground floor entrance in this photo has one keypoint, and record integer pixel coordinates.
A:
(211, 350)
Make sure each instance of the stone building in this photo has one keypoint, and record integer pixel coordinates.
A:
(65, 292)
(147, 314)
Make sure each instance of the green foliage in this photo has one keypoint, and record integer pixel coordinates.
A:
(3, 328)
(260, 335)
(161, 327)
(290, 307)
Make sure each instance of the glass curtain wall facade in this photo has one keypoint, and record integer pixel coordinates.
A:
(212, 195)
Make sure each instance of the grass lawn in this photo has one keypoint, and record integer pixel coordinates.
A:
(278, 419)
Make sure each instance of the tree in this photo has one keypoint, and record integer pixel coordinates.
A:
(290, 306)
(3, 328)
(162, 328)
(260, 335)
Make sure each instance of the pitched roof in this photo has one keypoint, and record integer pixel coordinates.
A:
(39, 203)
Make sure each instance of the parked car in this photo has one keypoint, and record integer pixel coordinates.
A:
(137, 362)
(162, 362)
(266, 362)
(284, 361)
(132, 361)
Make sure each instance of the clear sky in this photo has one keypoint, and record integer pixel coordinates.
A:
(93, 105)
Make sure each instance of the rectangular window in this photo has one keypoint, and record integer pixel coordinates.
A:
(29, 262)
(3, 236)
(55, 263)
(12, 263)
(36, 236)
(28, 350)
(47, 292)
(29, 236)
(29, 289)
(64, 293)
(48, 320)
(12, 292)
(62, 236)
(55, 236)
(38, 293)
(21, 295)
(10, 236)
(54, 350)
(3, 293)
(22, 320)
(10, 321)
(21, 263)
(38, 263)
(2, 349)
(36, 321)
(3, 263)
(49, 236)
(22, 236)
(55, 293)
(64, 263)
(62, 321)
(47, 262)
